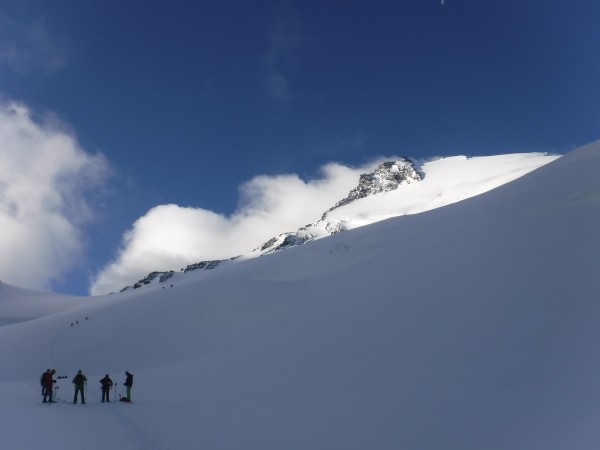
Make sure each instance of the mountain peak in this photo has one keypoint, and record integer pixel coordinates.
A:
(385, 192)
(386, 177)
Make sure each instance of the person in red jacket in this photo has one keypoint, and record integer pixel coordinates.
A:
(48, 384)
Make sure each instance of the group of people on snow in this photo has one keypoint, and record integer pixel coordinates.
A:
(80, 382)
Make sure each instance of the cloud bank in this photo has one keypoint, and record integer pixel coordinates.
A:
(44, 176)
(169, 237)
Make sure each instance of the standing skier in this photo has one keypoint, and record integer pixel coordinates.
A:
(106, 385)
(48, 385)
(79, 381)
(43, 381)
(129, 384)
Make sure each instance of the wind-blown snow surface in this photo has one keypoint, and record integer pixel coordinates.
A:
(446, 181)
(472, 326)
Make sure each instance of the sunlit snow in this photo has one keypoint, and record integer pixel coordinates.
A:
(470, 326)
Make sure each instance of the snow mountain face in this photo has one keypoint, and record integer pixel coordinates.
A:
(394, 188)
(480, 336)
(162, 277)
(387, 177)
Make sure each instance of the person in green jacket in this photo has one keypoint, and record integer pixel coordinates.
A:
(79, 381)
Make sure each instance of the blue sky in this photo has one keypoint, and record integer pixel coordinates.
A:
(187, 102)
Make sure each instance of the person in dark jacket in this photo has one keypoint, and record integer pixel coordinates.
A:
(79, 381)
(48, 385)
(106, 383)
(129, 384)
(43, 381)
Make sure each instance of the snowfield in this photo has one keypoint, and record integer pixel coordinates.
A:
(470, 326)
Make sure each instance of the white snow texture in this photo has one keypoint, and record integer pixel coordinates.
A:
(469, 326)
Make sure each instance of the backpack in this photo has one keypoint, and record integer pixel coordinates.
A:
(45, 379)
(78, 380)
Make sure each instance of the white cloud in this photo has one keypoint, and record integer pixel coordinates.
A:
(169, 237)
(44, 174)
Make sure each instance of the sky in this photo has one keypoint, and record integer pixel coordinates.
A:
(199, 114)
(468, 327)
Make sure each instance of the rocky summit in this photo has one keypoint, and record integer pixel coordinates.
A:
(388, 176)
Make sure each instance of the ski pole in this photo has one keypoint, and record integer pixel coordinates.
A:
(116, 391)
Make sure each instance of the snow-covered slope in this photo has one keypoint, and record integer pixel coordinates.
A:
(471, 326)
(19, 305)
(398, 188)
(393, 188)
